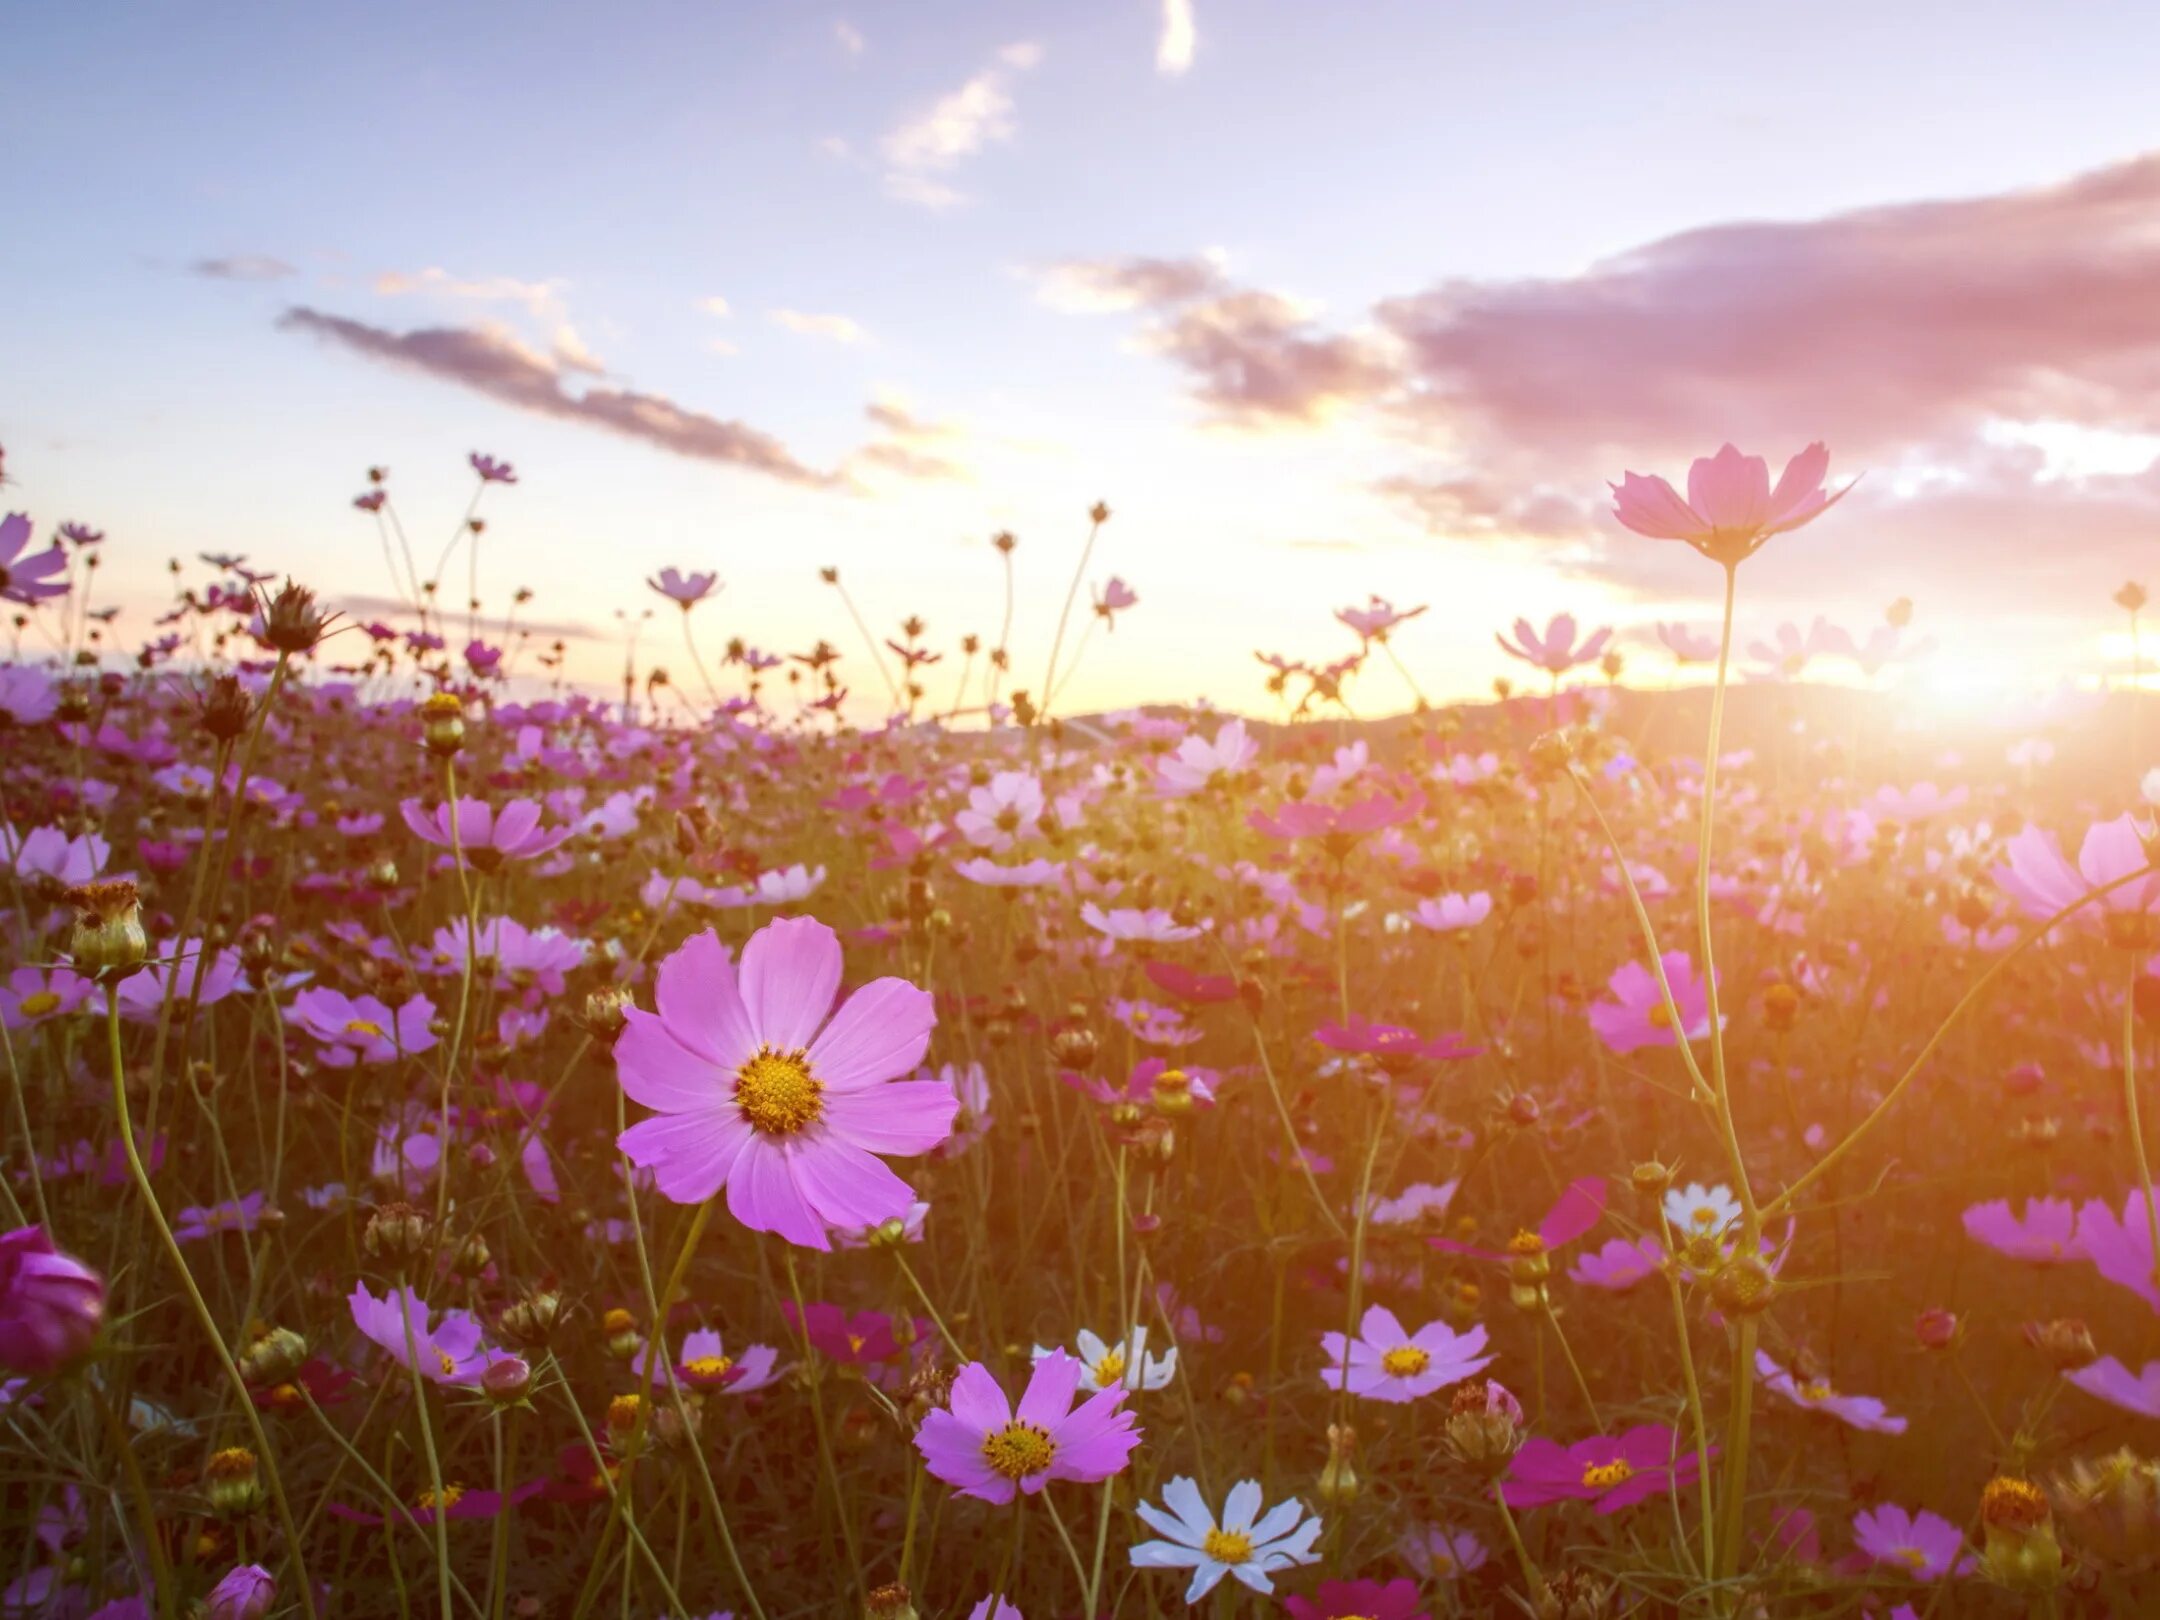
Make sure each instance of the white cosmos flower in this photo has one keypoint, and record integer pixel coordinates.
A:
(1234, 1546)
(1699, 1211)
(1104, 1364)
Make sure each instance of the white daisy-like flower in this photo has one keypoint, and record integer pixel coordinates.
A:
(1697, 1211)
(1236, 1545)
(1128, 1363)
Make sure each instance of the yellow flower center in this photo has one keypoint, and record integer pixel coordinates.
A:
(1604, 1476)
(1703, 1217)
(364, 1026)
(1526, 1243)
(1111, 1369)
(777, 1092)
(1815, 1389)
(1405, 1361)
(444, 1360)
(1660, 1018)
(1173, 1082)
(1913, 1556)
(450, 1494)
(1018, 1450)
(1227, 1546)
(38, 1003)
(708, 1369)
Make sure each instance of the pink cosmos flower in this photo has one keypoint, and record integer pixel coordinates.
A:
(984, 1447)
(2042, 882)
(1339, 827)
(51, 1304)
(2120, 1246)
(245, 1593)
(487, 836)
(1580, 1206)
(1687, 646)
(361, 1029)
(760, 1087)
(1612, 1471)
(2044, 1235)
(1393, 1043)
(1438, 1553)
(449, 1352)
(2116, 1384)
(686, 589)
(28, 580)
(1731, 510)
(1114, 598)
(33, 994)
(1634, 1015)
(1373, 621)
(1128, 924)
(1451, 913)
(1198, 765)
(1556, 651)
(704, 1364)
(200, 1221)
(1002, 811)
(27, 696)
(1359, 1600)
(1924, 1545)
(1385, 1362)
(492, 471)
(1619, 1265)
(1816, 1395)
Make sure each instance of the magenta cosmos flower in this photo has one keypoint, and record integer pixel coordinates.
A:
(488, 836)
(1730, 510)
(1612, 1471)
(2116, 1384)
(1556, 651)
(1373, 621)
(1816, 1395)
(27, 580)
(1634, 1014)
(983, 1447)
(51, 1304)
(2044, 1235)
(1386, 1362)
(361, 1029)
(245, 1593)
(1359, 1600)
(1924, 1545)
(687, 589)
(2121, 1246)
(2042, 882)
(449, 1352)
(756, 1090)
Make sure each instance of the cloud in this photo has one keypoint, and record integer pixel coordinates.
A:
(493, 362)
(910, 444)
(1174, 47)
(571, 354)
(839, 328)
(541, 298)
(1260, 360)
(715, 305)
(1106, 286)
(243, 267)
(364, 607)
(848, 37)
(955, 127)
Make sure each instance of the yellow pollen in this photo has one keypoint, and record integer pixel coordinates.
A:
(708, 1369)
(855, 1342)
(1405, 1361)
(1913, 1556)
(1018, 1450)
(1660, 1018)
(1227, 1546)
(38, 1003)
(1173, 1080)
(1526, 1243)
(1111, 1369)
(1815, 1389)
(426, 1499)
(777, 1092)
(1604, 1476)
(443, 1360)
(364, 1026)
(1704, 1215)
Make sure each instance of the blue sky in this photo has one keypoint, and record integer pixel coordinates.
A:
(580, 179)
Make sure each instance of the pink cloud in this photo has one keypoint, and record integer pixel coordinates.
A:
(493, 362)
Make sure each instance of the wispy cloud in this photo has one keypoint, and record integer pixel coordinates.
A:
(1175, 45)
(849, 38)
(542, 298)
(393, 608)
(954, 128)
(494, 362)
(1107, 286)
(837, 328)
(909, 443)
(715, 305)
(243, 267)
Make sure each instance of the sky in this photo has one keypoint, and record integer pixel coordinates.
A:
(1324, 302)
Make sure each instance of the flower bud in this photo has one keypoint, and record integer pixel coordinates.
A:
(273, 1358)
(620, 1330)
(398, 1233)
(2066, 1343)
(1650, 1178)
(1484, 1429)
(506, 1381)
(442, 724)
(606, 1013)
(892, 1602)
(2112, 1507)
(245, 1593)
(51, 1304)
(530, 1323)
(1338, 1479)
(1936, 1329)
(107, 942)
(292, 623)
(1780, 1006)
(2021, 1550)
(232, 1483)
(1745, 1287)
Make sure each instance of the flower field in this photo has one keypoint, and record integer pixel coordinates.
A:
(836, 1133)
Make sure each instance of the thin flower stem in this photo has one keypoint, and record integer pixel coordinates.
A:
(824, 1436)
(1072, 593)
(208, 1322)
